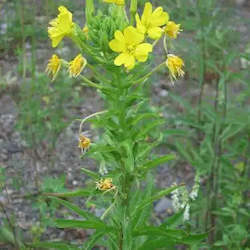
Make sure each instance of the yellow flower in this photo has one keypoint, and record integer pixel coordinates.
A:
(54, 66)
(129, 44)
(61, 26)
(175, 65)
(151, 21)
(77, 65)
(84, 142)
(105, 184)
(172, 29)
(118, 2)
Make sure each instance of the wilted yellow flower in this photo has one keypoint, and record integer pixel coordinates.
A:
(84, 142)
(61, 26)
(172, 29)
(105, 184)
(54, 66)
(151, 21)
(129, 44)
(77, 65)
(175, 65)
(118, 2)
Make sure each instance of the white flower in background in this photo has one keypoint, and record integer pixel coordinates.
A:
(194, 193)
(186, 215)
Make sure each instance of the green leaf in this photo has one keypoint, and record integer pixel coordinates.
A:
(148, 128)
(143, 116)
(180, 132)
(54, 245)
(76, 209)
(155, 197)
(90, 173)
(163, 242)
(194, 238)
(87, 224)
(174, 220)
(129, 160)
(93, 239)
(156, 162)
(76, 193)
(174, 234)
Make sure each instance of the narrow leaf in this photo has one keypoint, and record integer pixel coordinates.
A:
(90, 173)
(158, 161)
(156, 197)
(76, 209)
(87, 224)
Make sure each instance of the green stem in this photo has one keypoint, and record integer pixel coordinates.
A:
(90, 83)
(133, 9)
(150, 73)
(98, 75)
(165, 45)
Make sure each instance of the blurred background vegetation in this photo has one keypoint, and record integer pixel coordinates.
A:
(207, 113)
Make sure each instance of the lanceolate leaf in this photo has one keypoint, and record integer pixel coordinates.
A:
(76, 193)
(158, 161)
(90, 173)
(87, 224)
(162, 242)
(194, 238)
(172, 234)
(76, 209)
(54, 246)
(155, 197)
(93, 239)
(173, 221)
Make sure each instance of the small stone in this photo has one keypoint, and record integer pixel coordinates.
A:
(163, 205)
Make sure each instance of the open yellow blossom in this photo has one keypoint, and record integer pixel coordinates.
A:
(61, 26)
(172, 29)
(77, 65)
(175, 65)
(151, 21)
(54, 66)
(84, 142)
(129, 44)
(105, 184)
(118, 2)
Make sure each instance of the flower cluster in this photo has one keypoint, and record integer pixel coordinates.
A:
(60, 27)
(132, 43)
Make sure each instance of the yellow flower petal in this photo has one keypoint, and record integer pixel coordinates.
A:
(151, 22)
(141, 28)
(146, 13)
(141, 52)
(77, 65)
(118, 44)
(130, 62)
(121, 59)
(159, 17)
(54, 66)
(172, 29)
(175, 65)
(126, 59)
(132, 36)
(61, 26)
(155, 33)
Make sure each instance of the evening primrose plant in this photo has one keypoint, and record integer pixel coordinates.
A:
(117, 49)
